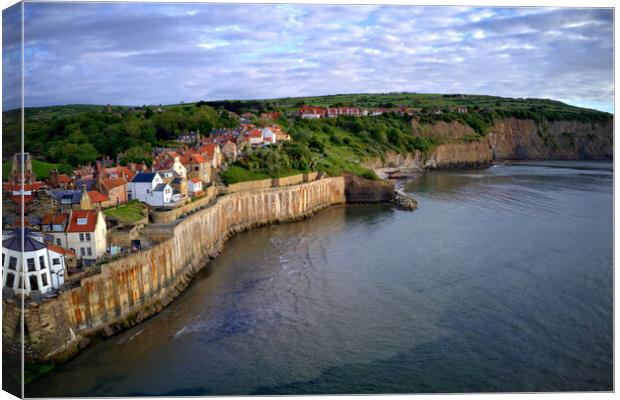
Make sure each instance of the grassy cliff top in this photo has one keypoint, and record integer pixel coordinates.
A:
(75, 134)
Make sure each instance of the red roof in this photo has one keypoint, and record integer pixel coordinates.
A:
(195, 180)
(16, 187)
(60, 250)
(63, 178)
(18, 199)
(113, 182)
(56, 219)
(97, 197)
(197, 158)
(256, 134)
(209, 149)
(91, 221)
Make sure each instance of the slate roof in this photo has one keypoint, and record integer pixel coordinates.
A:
(160, 187)
(73, 195)
(144, 177)
(15, 242)
(89, 182)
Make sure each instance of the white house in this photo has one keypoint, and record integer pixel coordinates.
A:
(44, 267)
(86, 234)
(179, 168)
(194, 186)
(268, 135)
(149, 187)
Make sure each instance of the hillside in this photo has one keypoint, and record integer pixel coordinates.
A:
(502, 127)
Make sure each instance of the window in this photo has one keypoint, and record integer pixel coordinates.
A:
(82, 221)
(12, 263)
(42, 262)
(81, 237)
(56, 261)
(89, 251)
(30, 262)
(3, 259)
(44, 280)
(10, 280)
(21, 283)
(57, 228)
(58, 242)
(82, 252)
(34, 284)
(88, 237)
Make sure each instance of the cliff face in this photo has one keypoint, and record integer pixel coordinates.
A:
(509, 138)
(360, 190)
(525, 139)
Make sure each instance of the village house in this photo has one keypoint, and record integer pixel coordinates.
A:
(70, 199)
(348, 111)
(59, 181)
(97, 200)
(230, 151)
(54, 226)
(198, 167)
(273, 115)
(45, 265)
(115, 189)
(212, 152)
(189, 138)
(179, 185)
(149, 188)
(194, 186)
(82, 231)
(178, 168)
(86, 234)
(309, 112)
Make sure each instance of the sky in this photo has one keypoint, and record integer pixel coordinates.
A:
(135, 54)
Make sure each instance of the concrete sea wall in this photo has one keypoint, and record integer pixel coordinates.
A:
(135, 287)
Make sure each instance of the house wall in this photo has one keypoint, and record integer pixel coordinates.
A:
(132, 288)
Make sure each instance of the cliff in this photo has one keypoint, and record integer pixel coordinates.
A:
(509, 138)
(135, 287)
(360, 190)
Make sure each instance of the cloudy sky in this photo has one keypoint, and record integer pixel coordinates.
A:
(134, 54)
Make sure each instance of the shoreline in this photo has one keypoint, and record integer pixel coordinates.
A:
(132, 289)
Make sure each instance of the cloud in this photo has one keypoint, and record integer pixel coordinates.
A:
(132, 53)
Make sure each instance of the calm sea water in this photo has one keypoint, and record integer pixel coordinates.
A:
(500, 281)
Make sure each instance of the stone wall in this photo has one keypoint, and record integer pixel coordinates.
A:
(139, 285)
(289, 180)
(249, 185)
(167, 216)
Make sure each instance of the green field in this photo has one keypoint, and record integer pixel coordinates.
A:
(236, 173)
(129, 212)
(41, 169)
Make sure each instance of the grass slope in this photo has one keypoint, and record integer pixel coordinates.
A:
(129, 212)
(41, 169)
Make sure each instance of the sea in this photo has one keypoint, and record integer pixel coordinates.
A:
(501, 281)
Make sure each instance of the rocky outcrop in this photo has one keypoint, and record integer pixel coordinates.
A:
(509, 138)
(404, 201)
(360, 190)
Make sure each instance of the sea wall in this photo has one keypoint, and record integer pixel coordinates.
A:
(137, 286)
(167, 216)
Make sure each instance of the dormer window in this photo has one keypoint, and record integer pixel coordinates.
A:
(82, 221)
